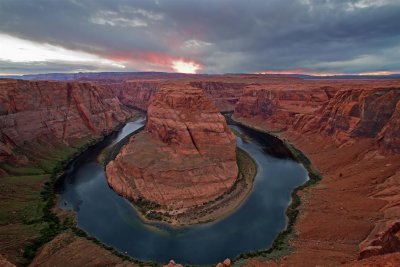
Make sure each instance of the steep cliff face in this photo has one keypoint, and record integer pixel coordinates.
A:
(185, 157)
(278, 109)
(357, 113)
(53, 113)
(224, 94)
(135, 94)
(387, 241)
(345, 114)
(351, 136)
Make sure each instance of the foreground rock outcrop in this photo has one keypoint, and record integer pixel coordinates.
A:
(184, 158)
(66, 249)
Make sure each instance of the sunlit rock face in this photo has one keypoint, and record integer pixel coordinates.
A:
(359, 113)
(365, 111)
(185, 157)
(277, 108)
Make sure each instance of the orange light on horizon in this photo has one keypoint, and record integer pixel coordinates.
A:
(185, 66)
(315, 73)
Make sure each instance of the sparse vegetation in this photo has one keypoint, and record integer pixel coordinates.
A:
(280, 246)
(113, 151)
(41, 224)
(26, 209)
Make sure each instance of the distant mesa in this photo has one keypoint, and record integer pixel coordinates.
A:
(185, 157)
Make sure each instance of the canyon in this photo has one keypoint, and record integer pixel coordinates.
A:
(36, 116)
(185, 157)
(348, 128)
(351, 136)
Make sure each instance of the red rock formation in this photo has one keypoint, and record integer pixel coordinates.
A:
(278, 108)
(67, 113)
(135, 94)
(172, 263)
(185, 157)
(384, 242)
(224, 94)
(5, 263)
(358, 113)
(352, 138)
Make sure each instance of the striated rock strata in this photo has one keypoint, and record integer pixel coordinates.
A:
(135, 94)
(277, 108)
(185, 157)
(224, 94)
(53, 113)
(358, 113)
(352, 137)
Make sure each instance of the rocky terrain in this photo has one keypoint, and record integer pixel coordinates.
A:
(357, 113)
(348, 129)
(184, 158)
(351, 136)
(53, 114)
(42, 125)
(67, 249)
(135, 94)
(224, 94)
(277, 109)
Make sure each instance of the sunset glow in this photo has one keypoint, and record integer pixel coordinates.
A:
(314, 73)
(14, 49)
(185, 67)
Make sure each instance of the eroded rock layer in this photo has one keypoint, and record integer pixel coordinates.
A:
(358, 113)
(279, 108)
(352, 136)
(185, 157)
(224, 94)
(54, 113)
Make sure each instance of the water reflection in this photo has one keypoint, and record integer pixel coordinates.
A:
(111, 219)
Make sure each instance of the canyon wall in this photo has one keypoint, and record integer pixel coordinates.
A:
(278, 109)
(358, 113)
(50, 114)
(135, 94)
(351, 133)
(344, 114)
(185, 157)
(224, 94)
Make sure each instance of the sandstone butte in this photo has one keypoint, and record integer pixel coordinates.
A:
(185, 156)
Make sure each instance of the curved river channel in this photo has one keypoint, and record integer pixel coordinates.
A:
(253, 226)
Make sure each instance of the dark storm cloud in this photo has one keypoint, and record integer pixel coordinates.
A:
(223, 36)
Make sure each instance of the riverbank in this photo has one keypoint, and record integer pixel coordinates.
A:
(278, 174)
(226, 203)
(331, 221)
(281, 246)
(213, 210)
(27, 210)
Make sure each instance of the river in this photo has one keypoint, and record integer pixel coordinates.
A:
(112, 220)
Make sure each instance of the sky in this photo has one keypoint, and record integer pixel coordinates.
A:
(200, 36)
